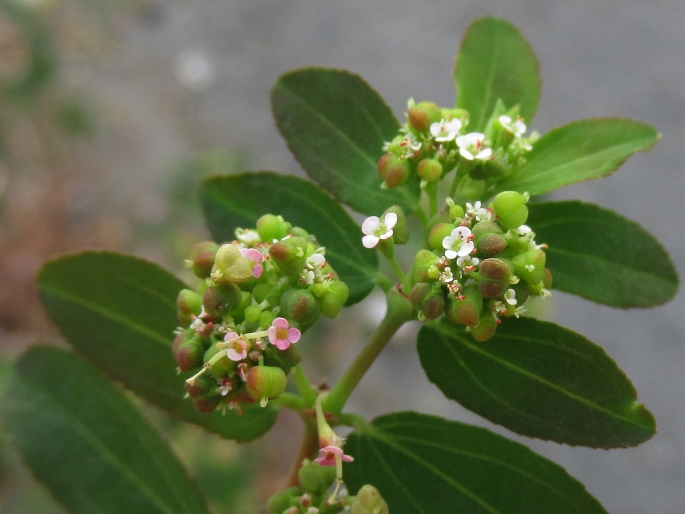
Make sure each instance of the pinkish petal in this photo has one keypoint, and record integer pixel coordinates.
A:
(294, 335)
(257, 271)
(230, 335)
(282, 344)
(280, 323)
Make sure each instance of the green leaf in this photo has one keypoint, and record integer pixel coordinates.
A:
(539, 380)
(120, 312)
(581, 150)
(239, 200)
(83, 439)
(601, 256)
(495, 62)
(335, 124)
(426, 464)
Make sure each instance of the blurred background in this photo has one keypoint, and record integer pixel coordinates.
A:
(111, 112)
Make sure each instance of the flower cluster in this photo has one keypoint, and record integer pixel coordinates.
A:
(434, 141)
(481, 264)
(241, 324)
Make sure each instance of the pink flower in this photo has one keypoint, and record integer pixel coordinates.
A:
(237, 347)
(255, 256)
(281, 335)
(328, 456)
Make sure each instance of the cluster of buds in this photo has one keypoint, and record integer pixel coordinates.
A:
(311, 496)
(257, 295)
(482, 264)
(434, 141)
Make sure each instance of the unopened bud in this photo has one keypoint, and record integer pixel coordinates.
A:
(189, 305)
(202, 258)
(486, 327)
(284, 359)
(438, 233)
(465, 310)
(220, 299)
(369, 501)
(334, 298)
(270, 227)
(495, 273)
(301, 306)
(422, 262)
(429, 169)
(189, 353)
(290, 255)
(223, 366)
(423, 114)
(283, 500)
(202, 386)
(207, 404)
(400, 232)
(511, 210)
(397, 173)
(434, 303)
(266, 382)
(530, 265)
(489, 245)
(547, 279)
(315, 478)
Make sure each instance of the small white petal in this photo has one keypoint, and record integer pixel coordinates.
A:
(371, 225)
(450, 254)
(386, 235)
(465, 154)
(370, 241)
(390, 220)
(466, 248)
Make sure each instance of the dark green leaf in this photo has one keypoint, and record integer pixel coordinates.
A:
(336, 124)
(425, 464)
(601, 256)
(120, 312)
(537, 379)
(495, 62)
(581, 150)
(87, 443)
(239, 200)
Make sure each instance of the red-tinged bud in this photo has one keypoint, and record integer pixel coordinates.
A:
(220, 299)
(203, 385)
(418, 294)
(266, 382)
(189, 353)
(530, 265)
(397, 173)
(547, 279)
(315, 478)
(290, 255)
(230, 265)
(384, 162)
(333, 300)
(438, 233)
(493, 288)
(486, 227)
(465, 309)
(202, 258)
(284, 359)
(207, 404)
(181, 338)
(301, 306)
(400, 232)
(429, 170)
(490, 245)
(283, 500)
(422, 262)
(423, 114)
(189, 305)
(495, 269)
(486, 328)
(369, 501)
(434, 303)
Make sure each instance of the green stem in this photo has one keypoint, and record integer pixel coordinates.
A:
(289, 401)
(432, 192)
(421, 214)
(304, 386)
(455, 182)
(308, 449)
(383, 282)
(406, 286)
(399, 311)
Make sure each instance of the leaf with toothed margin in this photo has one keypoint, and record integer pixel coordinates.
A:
(539, 380)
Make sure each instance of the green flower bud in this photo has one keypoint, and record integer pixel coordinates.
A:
(422, 115)
(284, 359)
(511, 210)
(245, 301)
(315, 478)
(301, 306)
(397, 173)
(456, 211)
(180, 339)
(489, 245)
(369, 501)
(230, 265)
(386, 160)
(220, 299)
(282, 500)
(202, 258)
(470, 189)
(252, 314)
(422, 262)
(266, 382)
(266, 318)
(451, 114)
(429, 170)
(203, 385)
(333, 300)
(267, 292)
(486, 227)
(466, 309)
(495, 273)
(486, 327)
(270, 227)
(530, 265)
(207, 404)
(400, 232)
(290, 255)
(434, 303)
(189, 353)
(438, 233)
(223, 366)
(300, 232)
(189, 304)
(418, 294)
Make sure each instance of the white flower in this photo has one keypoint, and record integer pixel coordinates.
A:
(518, 128)
(315, 260)
(446, 276)
(466, 263)
(410, 145)
(478, 212)
(471, 147)
(458, 243)
(510, 297)
(247, 236)
(375, 230)
(445, 130)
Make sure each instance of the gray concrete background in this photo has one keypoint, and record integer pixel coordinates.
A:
(597, 58)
